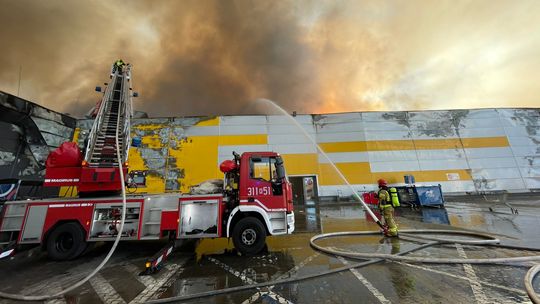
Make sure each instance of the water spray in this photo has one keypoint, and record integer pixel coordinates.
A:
(365, 206)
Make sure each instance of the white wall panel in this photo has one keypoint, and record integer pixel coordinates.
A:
(398, 155)
(495, 173)
(456, 186)
(532, 182)
(440, 154)
(533, 161)
(242, 129)
(291, 129)
(521, 151)
(501, 184)
(385, 126)
(443, 164)
(394, 166)
(341, 127)
(282, 119)
(201, 131)
(278, 139)
(340, 137)
(344, 157)
(530, 171)
(387, 135)
(468, 123)
(524, 140)
(483, 113)
(381, 116)
(482, 132)
(431, 132)
(492, 162)
(243, 120)
(293, 148)
(488, 152)
(521, 130)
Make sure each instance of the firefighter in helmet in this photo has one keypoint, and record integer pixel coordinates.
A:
(387, 202)
(118, 65)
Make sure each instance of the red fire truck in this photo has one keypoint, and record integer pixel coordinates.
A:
(254, 201)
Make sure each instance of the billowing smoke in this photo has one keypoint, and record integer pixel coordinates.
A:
(215, 57)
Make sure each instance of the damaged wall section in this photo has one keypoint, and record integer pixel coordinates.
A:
(29, 133)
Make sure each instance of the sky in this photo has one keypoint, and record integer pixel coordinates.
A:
(217, 57)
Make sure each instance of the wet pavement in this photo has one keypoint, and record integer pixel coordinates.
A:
(213, 264)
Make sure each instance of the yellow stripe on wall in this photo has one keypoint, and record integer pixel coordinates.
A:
(300, 164)
(485, 142)
(360, 173)
(210, 122)
(418, 144)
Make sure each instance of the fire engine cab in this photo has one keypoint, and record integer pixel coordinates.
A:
(254, 201)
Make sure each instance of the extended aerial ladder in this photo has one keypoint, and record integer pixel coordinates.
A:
(98, 170)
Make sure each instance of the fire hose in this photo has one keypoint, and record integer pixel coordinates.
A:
(411, 235)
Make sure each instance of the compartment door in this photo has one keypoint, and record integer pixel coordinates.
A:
(33, 227)
(198, 218)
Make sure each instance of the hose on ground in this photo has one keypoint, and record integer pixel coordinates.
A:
(484, 240)
(21, 297)
(529, 277)
(284, 281)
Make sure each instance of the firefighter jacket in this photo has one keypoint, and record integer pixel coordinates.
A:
(385, 199)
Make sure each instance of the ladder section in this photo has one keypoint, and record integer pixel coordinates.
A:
(104, 152)
(113, 118)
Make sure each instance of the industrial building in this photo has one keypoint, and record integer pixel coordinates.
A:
(466, 151)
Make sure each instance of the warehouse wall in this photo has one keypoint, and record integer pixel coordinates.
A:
(28, 133)
(463, 150)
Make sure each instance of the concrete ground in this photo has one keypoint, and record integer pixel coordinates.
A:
(213, 264)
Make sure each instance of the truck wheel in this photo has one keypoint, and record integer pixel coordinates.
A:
(249, 236)
(66, 242)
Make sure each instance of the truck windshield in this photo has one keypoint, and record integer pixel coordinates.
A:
(268, 168)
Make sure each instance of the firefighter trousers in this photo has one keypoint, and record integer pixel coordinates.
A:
(388, 214)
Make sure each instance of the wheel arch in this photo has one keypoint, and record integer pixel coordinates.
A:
(244, 211)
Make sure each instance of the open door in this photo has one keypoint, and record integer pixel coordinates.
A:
(305, 190)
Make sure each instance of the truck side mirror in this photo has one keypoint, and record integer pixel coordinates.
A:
(98, 89)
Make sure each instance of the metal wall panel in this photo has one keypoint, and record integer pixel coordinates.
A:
(387, 135)
(293, 148)
(339, 137)
(443, 165)
(398, 155)
(399, 166)
(502, 149)
(242, 129)
(344, 157)
(440, 154)
(492, 162)
(488, 152)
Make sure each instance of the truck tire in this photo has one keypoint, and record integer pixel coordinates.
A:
(249, 236)
(66, 242)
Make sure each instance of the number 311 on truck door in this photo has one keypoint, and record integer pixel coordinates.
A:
(259, 191)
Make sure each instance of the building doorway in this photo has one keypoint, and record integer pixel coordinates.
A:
(304, 189)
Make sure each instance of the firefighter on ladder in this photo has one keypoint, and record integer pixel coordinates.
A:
(117, 66)
(388, 199)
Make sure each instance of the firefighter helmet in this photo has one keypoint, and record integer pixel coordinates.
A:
(227, 166)
(382, 182)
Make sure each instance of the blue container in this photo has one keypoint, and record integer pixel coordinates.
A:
(429, 195)
(136, 142)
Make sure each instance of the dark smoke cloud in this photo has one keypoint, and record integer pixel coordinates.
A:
(215, 57)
